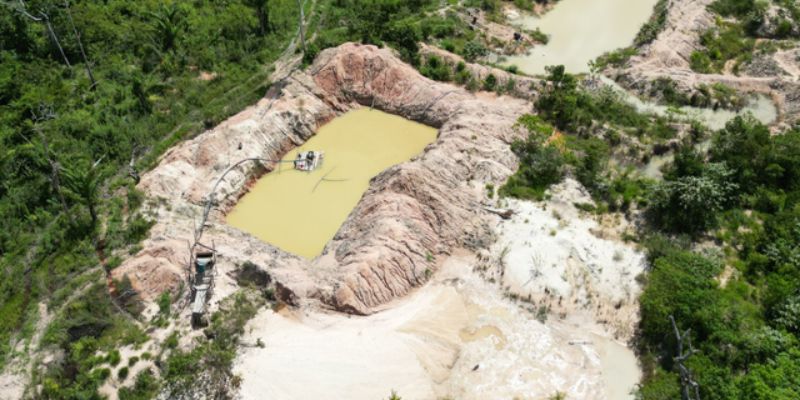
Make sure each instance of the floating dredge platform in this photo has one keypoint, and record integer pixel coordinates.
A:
(308, 160)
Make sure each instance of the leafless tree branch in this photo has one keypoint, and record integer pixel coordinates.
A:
(690, 389)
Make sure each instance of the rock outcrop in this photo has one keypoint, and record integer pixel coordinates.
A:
(411, 214)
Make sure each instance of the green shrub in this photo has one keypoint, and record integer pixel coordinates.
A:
(164, 303)
(540, 164)
(145, 387)
(680, 284)
(538, 36)
(113, 358)
(510, 86)
(102, 374)
(215, 353)
(122, 373)
(436, 69)
(700, 62)
(490, 190)
(650, 30)
(172, 341)
(691, 204)
(667, 90)
(463, 77)
(614, 58)
(490, 83)
(472, 84)
(448, 45)
(312, 50)
(114, 262)
(723, 43)
(474, 50)
(738, 8)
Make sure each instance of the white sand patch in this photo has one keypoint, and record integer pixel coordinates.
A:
(426, 346)
(559, 259)
(12, 384)
(319, 355)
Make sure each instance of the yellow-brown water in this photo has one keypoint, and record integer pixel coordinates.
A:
(471, 335)
(299, 211)
(580, 31)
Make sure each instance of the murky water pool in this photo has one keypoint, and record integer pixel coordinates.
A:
(580, 31)
(622, 368)
(485, 331)
(301, 211)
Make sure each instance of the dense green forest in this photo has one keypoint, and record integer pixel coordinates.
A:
(87, 88)
(739, 296)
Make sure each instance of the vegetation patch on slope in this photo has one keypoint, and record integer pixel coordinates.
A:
(740, 24)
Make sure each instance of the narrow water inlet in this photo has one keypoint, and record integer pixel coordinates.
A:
(758, 105)
(300, 212)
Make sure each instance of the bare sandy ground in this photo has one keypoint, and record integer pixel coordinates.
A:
(562, 259)
(457, 337)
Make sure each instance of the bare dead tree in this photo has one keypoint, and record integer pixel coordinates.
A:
(301, 26)
(690, 389)
(42, 17)
(132, 171)
(86, 62)
(46, 113)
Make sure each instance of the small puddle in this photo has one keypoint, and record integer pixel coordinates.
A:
(620, 366)
(300, 211)
(580, 31)
(485, 331)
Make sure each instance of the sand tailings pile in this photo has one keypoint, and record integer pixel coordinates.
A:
(412, 214)
(561, 261)
(457, 337)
